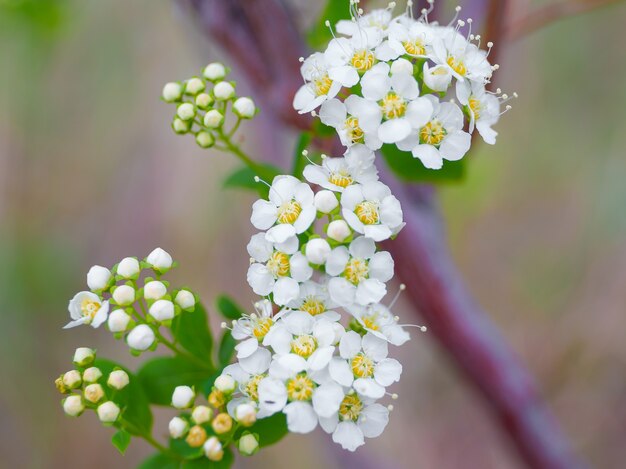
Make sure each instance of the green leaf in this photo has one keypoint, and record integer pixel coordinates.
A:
(335, 10)
(191, 330)
(203, 463)
(180, 446)
(227, 348)
(243, 178)
(411, 169)
(228, 307)
(159, 461)
(160, 376)
(299, 161)
(121, 440)
(270, 430)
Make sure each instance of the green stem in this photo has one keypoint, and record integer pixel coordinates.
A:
(148, 437)
(233, 148)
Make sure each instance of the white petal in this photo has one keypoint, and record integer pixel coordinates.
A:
(285, 290)
(377, 232)
(429, 156)
(272, 395)
(247, 347)
(333, 113)
(373, 420)
(329, 424)
(301, 417)
(350, 345)
(320, 358)
(299, 267)
(299, 322)
(368, 388)
(263, 214)
(340, 371)
(374, 347)
(375, 85)
(337, 260)
(344, 74)
(260, 279)
(381, 266)
(305, 219)
(259, 248)
(280, 233)
(327, 399)
(405, 85)
(341, 291)
(419, 112)
(362, 248)
(348, 435)
(370, 291)
(394, 130)
(455, 145)
(387, 372)
(257, 363)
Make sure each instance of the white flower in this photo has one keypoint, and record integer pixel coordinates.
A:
(371, 210)
(154, 290)
(378, 320)
(223, 91)
(92, 374)
(87, 308)
(84, 356)
(214, 71)
(347, 59)
(118, 321)
(289, 210)
(318, 85)
(178, 427)
(464, 59)
(172, 92)
(98, 278)
(437, 78)
(251, 329)
(225, 383)
(124, 295)
(213, 449)
(441, 138)
(355, 120)
(162, 310)
(73, 405)
(359, 273)
(317, 251)
(72, 379)
(205, 139)
(375, 21)
(314, 299)
(183, 397)
(245, 414)
(248, 444)
(338, 230)
(201, 414)
(484, 110)
(335, 174)
(244, 108)
(204, 100)
(278, 269)
(248, 372)
(118, 379)
(213, 119)
(364, 365)
(185, 299)
(140, 337)
(414, 38)
(160, 260)
(180, 126)
(194, 86)
(186, 111)
(93, 393)
(325, 201)
(108, 412)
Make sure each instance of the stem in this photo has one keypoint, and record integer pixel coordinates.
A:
(148, 437)
(234, 148)
(235, 127)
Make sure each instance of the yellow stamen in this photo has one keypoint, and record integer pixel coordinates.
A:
(362, 60)
(340, 178)
(432, 133)
(304, 345)
(262, 327)
(370, 322)
(362, 366)
(351, 407)
(322, 85)
(367, 212)
(353, 130)
(457, 65)
(252, 387)
(415, 47)
(313, 306)
(278, 264)
(356, 270)
(289, 212)
(392, 106)
(89, 308)
(474, 105)
(300, 388)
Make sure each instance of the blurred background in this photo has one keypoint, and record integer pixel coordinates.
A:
(90, 172)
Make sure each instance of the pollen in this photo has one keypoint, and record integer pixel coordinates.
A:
(300, 388)
(278, 264)
(457, 65)
(216, 399)
(322, 85)
(392, 106)
(367, 212)
(252, 387)
(351, 407)
(356, 270)
(304, 345)
(289, 212)
(89, 308)
(362, 366)
(432, 133)
(474, 105)
(370, 322)
(354, 131)
(313, 305)
(262, 327)
(415, 47)
(362, 60)
(340, 178)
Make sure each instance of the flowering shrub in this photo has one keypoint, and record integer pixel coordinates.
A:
(315, 349)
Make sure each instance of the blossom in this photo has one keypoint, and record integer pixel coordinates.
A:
(140, 337)
(325, 201)
(355, 121)
(338, 230)
(128, 268)
(437, 78)
(87, 308)
(483, 109)
(413, 38)
(252, 329)
(214, 71)
(318, 86)
(244, 108)
(335, 174)
(124, 295)
(154, 290)
(73, 405)
(317, 250)
(185, 299)
(98, 278)
(162, 310)
(108, 412)
(160, 260)
(348, 58)
(118, 321)
(201, 414)
(378, 320)
(84, 356)
(172, 92)
(118, 379)
(213, 449)
(248, 444)
(178, 427)
(375, 21)
(314, 299)
(183, 397)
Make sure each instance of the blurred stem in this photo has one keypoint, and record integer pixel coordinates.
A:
(148, 437)
(232, 147)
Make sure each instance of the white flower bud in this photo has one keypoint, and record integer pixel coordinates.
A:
(108, 412)
(172, 92)
(183, 397)
(245, 414)
(118, 321)
(186, 111)
(92, 374)
(128, 268)
(84, 356)
(162, 310)
(194, 86)
(248, 444)
(93, 393)
(185, 299)
(154, 290)
(437, 78)
(178, 427)
(401, 66)
(160, 260)
(205, 140)
(204, 100)
(73, 405)
(124, 295)
(326, 201)
(225, 384)
(223, 91)
(244, 108)
(213, 449)
(317, 251)
(118, 379)
(214, 71)
(72, 379)
(98, 278)
(201, 414)
(213, 119)
(180, 126)
(140, 338)
(338, 230)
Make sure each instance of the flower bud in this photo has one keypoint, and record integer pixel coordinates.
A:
(128, 268)
(244, 108)
(92, 374)
(205, 140)
(154, 290)
(118, 321)
(160, 260)
(222, 423)
(124, 295)
(216, 398)
(225, 384)
(118, 379)
(172, 92)
(214, 71)
(437, 78)
(108, 412)
(162, 310)
(213, 119)
(401, 66)
(223, 91)
(178, 427)
(93, 393)
(248, 444)
(84, 356)
(98, 278)
(338, 230)
(201, 414)
(213, 449)
(317, 251)
(326, 201)
(185, 299)
(140, 338)
(245, 414)
(180, 126)
(183, 397)
(196, 437)
(203, 101)
(186, 111)
(73, 405)
(60, 385)
(72, 379)
(194, 86)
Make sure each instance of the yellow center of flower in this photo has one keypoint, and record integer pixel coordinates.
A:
(313, 305)
(322, 85)
(303, 345)
(252, 387)
(457, 65)
(300, 388)
(289, 212)
(340, 178)
(474, 105)
(356, 270)
(278, 264)
(393, 106)
(362, 366)
(262, 327)
(362, 60)
(432, 133)
(351, 407)
(367, 212)
(354, 131)
(89, 308)
(371, 322)
(415, 47)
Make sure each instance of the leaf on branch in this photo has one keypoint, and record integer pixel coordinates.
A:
(319, 35)
(227, 348)
(270, 429)
(191, 330)
(121, 440)
(159, 461)
(243, 178)
(228, 307)
(411, 169)
(203, 463)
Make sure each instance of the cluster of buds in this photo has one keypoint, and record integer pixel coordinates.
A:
(203, 105)
(214, 426)
(86, 387)
(132, 299)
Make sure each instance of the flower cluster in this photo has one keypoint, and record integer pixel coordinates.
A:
(398, 75)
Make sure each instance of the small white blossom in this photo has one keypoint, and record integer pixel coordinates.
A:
(205, 139)
(92, 374)
(248, 444)
(73, 405)
(483, 108)
(84, 356)
(213, 119)
(465, 60)
(118, 321)
(244, 108)
(172, 92)
(413, 38)
(108, 412)
(162, 310)
(93, 393)
(72, 379)
(335, 174)
(225, 384)
(223, 91)
(124, 295)
(317, 251)
(154, 290)
(140, 337)
(204, 100)
(437, 78)
(318, 86)
(185, 299)
(128, 268)
(186, 111)
(252, 329)
(348, 58)
(325, 201)
(178, 427)
(213, 449)
(160, 260)
(214, 71)
(338, 230)
(118, 379)
(201, 414)
(245, 414)
(98, 278)
(314, 299)
(378, 320)
(183, 397)
(194, 86)
(355, 120)
(87, 308)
